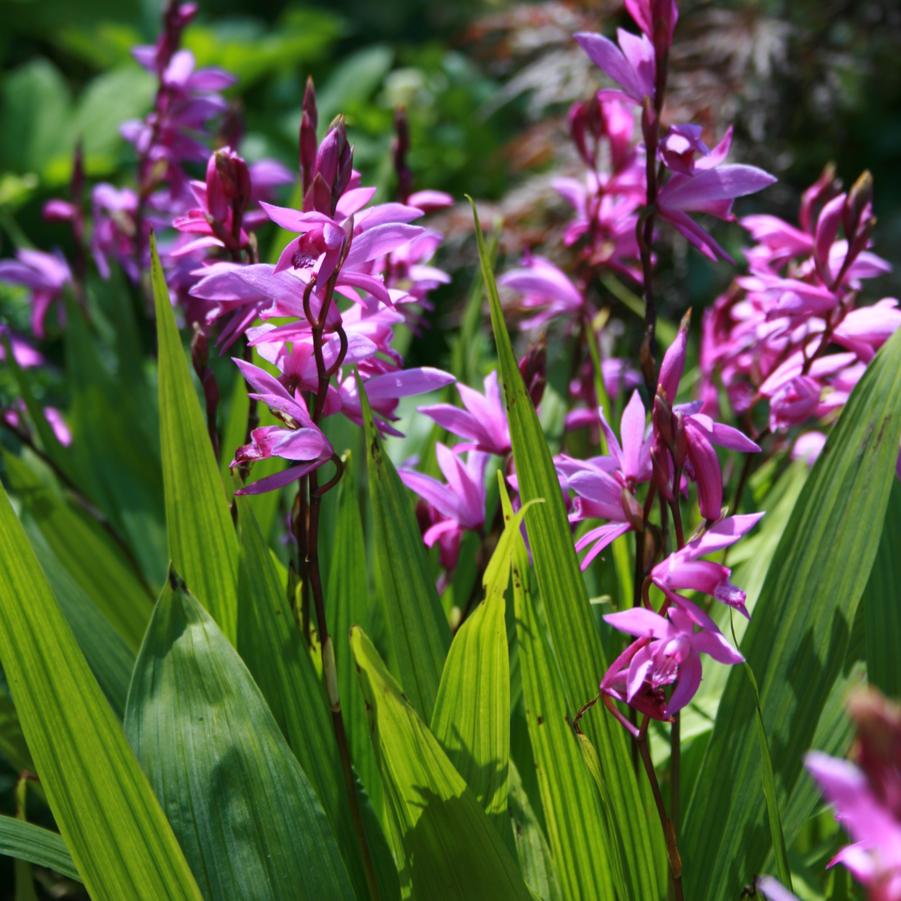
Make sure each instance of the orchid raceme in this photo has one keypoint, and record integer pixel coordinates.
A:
(342, 542)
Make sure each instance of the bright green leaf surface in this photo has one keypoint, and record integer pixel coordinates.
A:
(451, 849)
(276, 654)
(123, 847)
(418, 634)
(630, 822)
(799, 633)
(202, 540)
(245, 813)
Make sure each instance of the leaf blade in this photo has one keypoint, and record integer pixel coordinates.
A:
(429, 799)
(842, 502)
(202, 542)
(418, 634)
(125, 846)
(572, 630)
(248, 819)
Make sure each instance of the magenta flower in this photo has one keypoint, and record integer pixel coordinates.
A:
(383, 392)
(657, 19)
(874, 858)
(709, 186)
(546, 291)
(45, 274)
(683, 570)
(300, 441)
(483, 424)
(668, 653)
(454, 506)
(630, 63)
(605, 486)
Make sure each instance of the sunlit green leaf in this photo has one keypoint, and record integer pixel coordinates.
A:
(799, 633)
(245, 813)
(202, 540)
(451, 849)
(124, 847)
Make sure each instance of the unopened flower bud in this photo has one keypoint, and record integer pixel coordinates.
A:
(662, 420)
(860, 203)
(533, 367)
(227, 183)
(819, 193)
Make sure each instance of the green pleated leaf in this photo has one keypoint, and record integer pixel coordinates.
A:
(85, 552)
(349, 603)
(632, 829)
(451, 850)
(471, 718)
(797, 639)
(109, 657)
(103, 804)
(276, 654)
(535, 861)
(418, 634)
(37, 845)
(245, 813)
(882, 608)
(572, 805)
(202, 542)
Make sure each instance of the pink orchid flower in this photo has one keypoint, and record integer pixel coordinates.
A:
(668, 653)
(483, 424)
(454, 506)
(683, 570)
(44, 274)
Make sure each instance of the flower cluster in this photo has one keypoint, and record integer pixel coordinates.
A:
(329, 306)
(791, 334)
(660, 671)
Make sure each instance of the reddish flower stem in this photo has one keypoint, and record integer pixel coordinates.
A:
(306, 525)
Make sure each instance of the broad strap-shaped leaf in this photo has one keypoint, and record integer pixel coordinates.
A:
(349, 602)
(103, 804)
(245, 813)
(471, 718)
(202, 542)
(111, 660)
(798, 636)
(451, 850)
(276, 654)
(631, 824)
(882, 605)
(37, 845)
(88, 555)
(572, 804)
(418, 634)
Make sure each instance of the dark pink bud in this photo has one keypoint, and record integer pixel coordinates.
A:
(533, 368)
(334, 163)
(828, 222)
(860, 204)
(307, 141)
(673, 364)
(820, 192)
